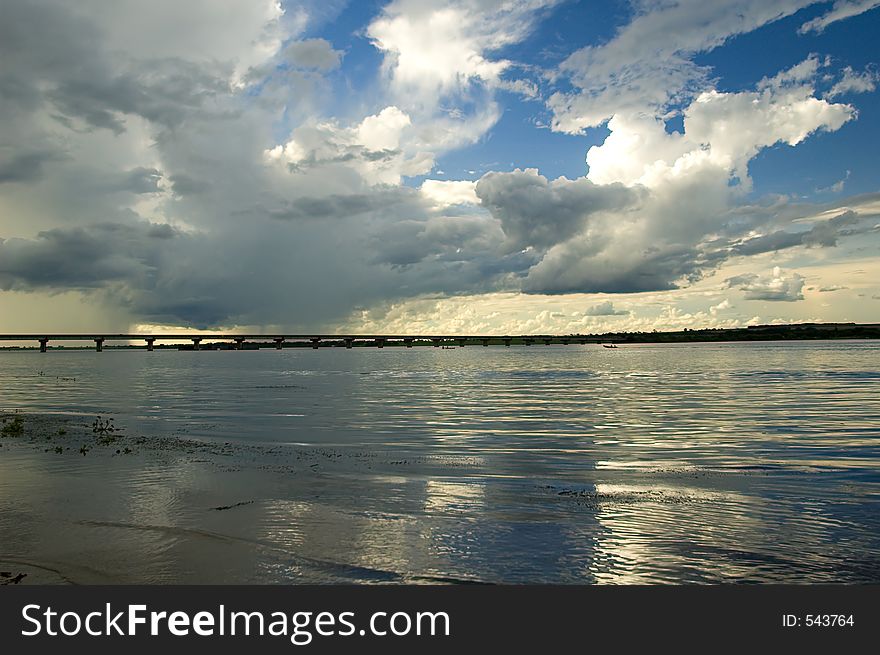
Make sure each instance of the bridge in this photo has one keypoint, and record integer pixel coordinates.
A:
(315, 340)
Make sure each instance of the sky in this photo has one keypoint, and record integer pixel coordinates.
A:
(438, 166)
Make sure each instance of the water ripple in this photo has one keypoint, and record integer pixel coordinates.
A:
(675, 463)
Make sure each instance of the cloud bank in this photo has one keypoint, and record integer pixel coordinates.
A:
(194, 167)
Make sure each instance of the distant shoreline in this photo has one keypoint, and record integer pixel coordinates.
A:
(790, 332)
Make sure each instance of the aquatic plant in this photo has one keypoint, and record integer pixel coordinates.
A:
(103, 427)
(104, 430)
(13, 428)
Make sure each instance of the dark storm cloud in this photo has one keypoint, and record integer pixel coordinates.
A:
(595, 262)
(447, 238)
(27, 166)
(139, 180)
(570, 269)
(779, 240)
(347, 154)
(162, 231)
(263, 246)
(826, 234)
(539, 213)
(83, 258)
(602, 238)
(337, 206)
(185, 185)
(86, 86)
(270, 244)
(162, 91)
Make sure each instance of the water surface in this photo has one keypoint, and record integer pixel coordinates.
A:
(665, 463)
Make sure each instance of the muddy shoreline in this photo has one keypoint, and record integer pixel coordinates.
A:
(85, 501)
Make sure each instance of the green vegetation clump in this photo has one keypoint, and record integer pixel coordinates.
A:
(103, 426)
(104, 430)
(13, 428)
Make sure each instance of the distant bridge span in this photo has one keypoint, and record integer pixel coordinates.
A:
(348, 340)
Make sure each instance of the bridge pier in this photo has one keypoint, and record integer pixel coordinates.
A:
(264, 340)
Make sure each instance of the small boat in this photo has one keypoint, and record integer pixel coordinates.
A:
(606, 345)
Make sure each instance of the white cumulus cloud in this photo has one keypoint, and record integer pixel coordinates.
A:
(604, 308)
(649, 62)
(450, 192)
(779, 285)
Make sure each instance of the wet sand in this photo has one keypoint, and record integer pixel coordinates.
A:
(95, 505)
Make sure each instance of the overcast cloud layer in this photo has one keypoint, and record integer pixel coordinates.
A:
(183, 164)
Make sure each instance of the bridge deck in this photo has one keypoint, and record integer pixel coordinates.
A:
(376, 340)
(271, 337)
